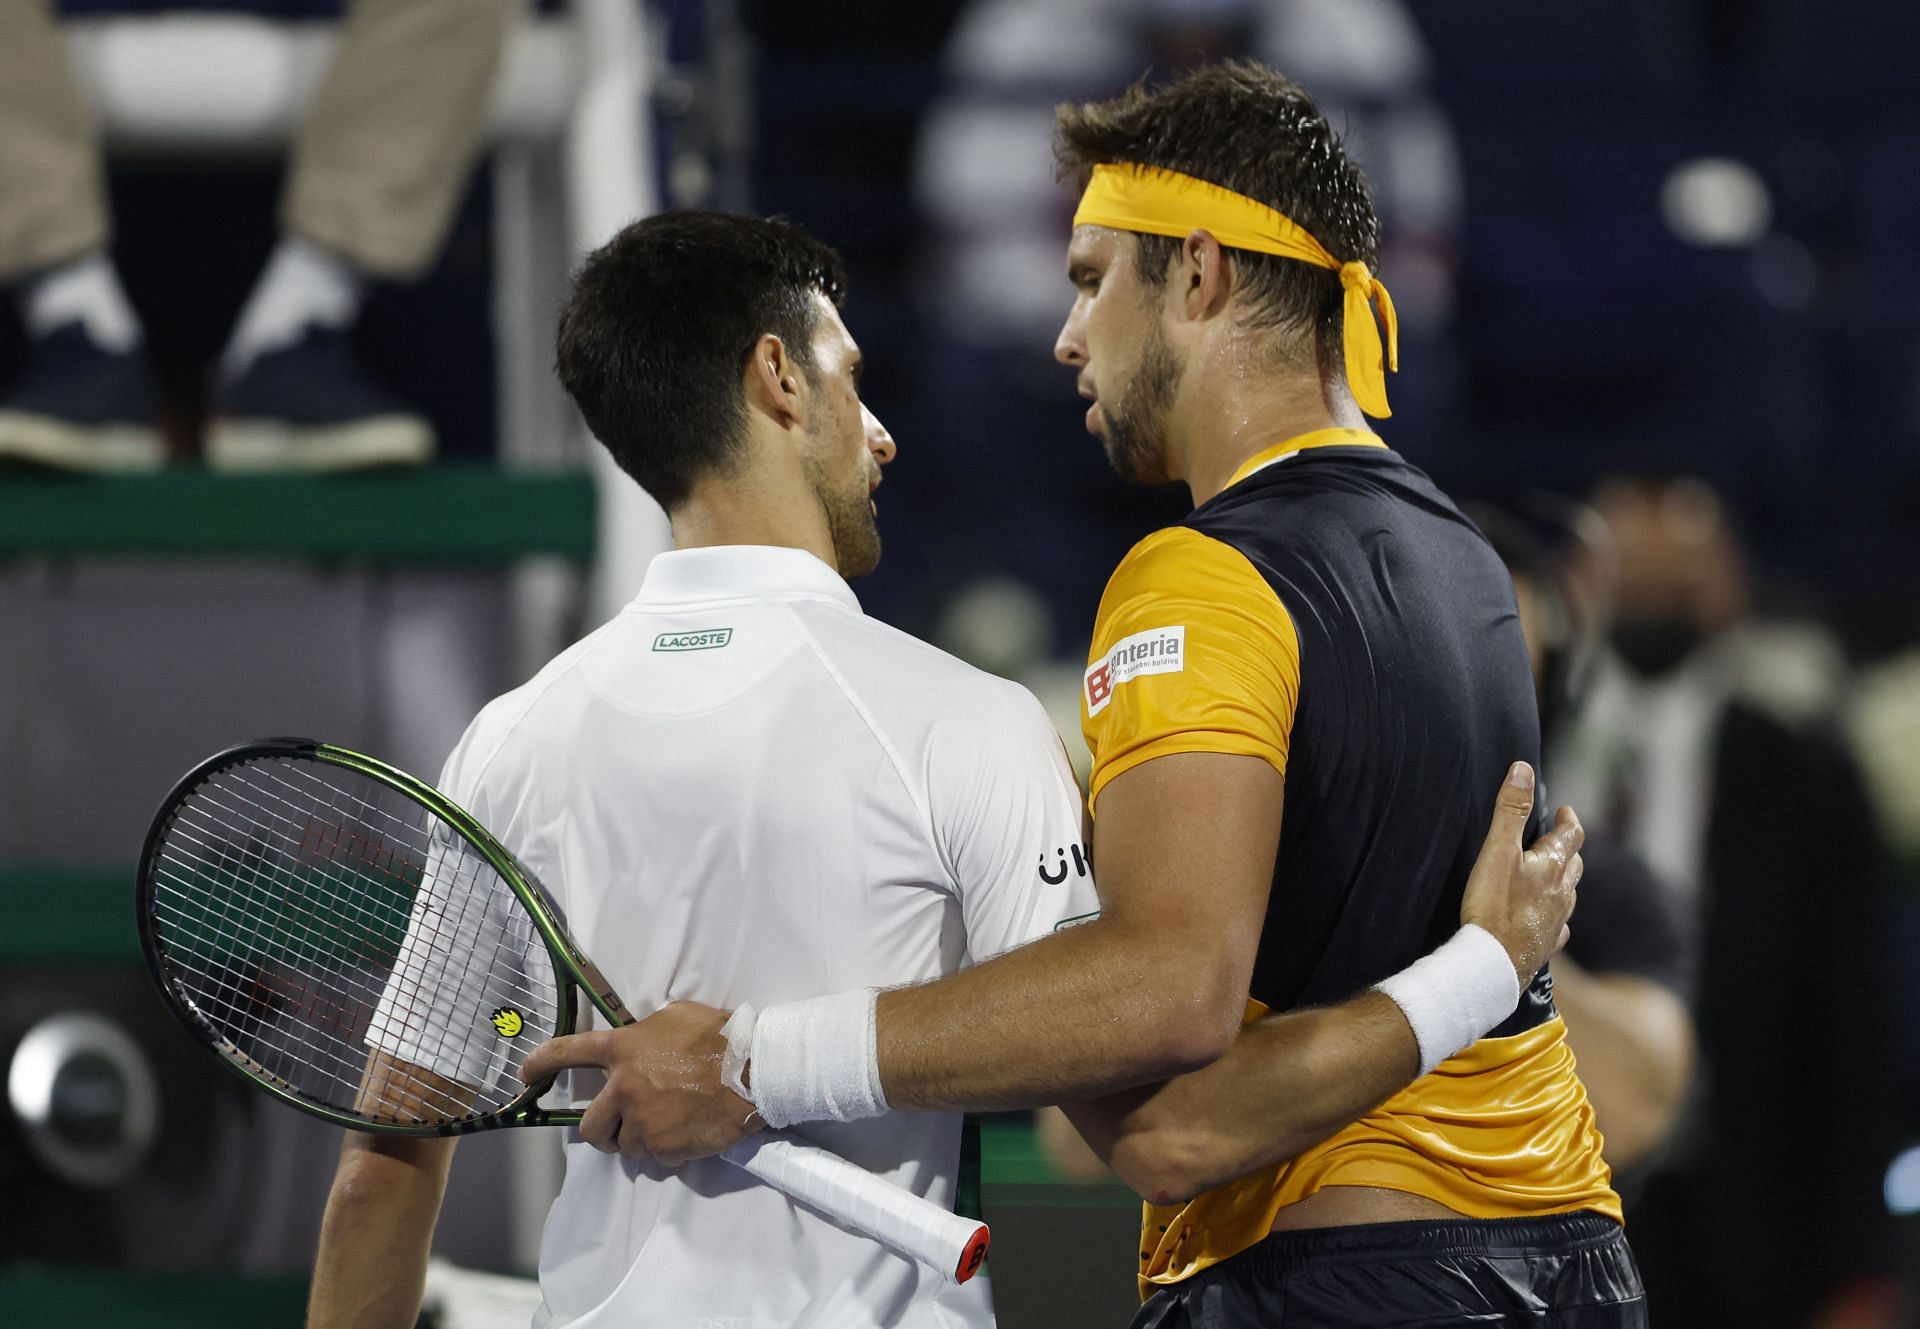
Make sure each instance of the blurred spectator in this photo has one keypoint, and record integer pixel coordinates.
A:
(1625, 981)
(998, 225)
(1709, 745)
(985, 169)
(378, 167)
(1883, 721)
(1004, 626)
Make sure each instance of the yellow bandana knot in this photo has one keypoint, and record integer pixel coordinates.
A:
(1365, 374)
(1149, 200)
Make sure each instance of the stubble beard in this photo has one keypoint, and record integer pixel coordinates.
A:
(1136, 434)
(850, 524)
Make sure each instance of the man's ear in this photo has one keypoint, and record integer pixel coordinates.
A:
(774, 383)
(1203, 274)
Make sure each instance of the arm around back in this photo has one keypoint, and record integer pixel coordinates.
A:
(1153, 987)
(1291, 1081)
(1295, 1078)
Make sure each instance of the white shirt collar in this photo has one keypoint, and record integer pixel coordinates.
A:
(734, 572)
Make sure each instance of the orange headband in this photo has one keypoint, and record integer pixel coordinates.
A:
(1157, 202)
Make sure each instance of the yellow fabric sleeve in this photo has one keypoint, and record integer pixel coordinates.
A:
(1192, 652)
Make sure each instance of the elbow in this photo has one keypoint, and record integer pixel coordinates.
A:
(1166, 1166)
(1166, 1159)
(1638, 1099)
(1191, 1030)
(1182, 1009)
(360, 1191)
(376, 1171)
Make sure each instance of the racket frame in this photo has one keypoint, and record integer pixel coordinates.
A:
(569, 961)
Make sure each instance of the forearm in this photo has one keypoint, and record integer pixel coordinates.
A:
(1634, 1043)
(372, 1265)
(1077, 1014)
(1289, 1082)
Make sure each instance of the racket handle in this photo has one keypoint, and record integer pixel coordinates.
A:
(952, 1246)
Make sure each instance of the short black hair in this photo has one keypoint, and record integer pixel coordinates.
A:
(1246, 128)
(658, 325)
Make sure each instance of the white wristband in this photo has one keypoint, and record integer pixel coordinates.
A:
(738, 1031)
(815, 1060)
(1456, 994)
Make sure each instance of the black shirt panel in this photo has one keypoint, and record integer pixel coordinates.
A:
(1415, 697)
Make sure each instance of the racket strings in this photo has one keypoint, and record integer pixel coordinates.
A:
(353, 1017)
(353, 910)
(242, 990)
(294, 934)
(311, 915)
(298, 938)
(246, 1014)
(297, 941)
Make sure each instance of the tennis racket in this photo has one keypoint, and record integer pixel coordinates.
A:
(351, 941)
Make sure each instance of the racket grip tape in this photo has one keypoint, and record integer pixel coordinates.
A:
(952, 1246)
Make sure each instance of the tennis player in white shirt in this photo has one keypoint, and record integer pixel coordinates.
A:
(741, 791)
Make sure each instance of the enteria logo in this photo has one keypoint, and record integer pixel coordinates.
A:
(1155, 651)
(711, 639)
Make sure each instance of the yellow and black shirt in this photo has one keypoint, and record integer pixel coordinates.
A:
(1334, 614)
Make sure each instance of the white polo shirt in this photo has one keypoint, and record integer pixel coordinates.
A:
(743, 789)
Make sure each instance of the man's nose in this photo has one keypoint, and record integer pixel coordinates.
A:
(879, 441)
(1070, 347)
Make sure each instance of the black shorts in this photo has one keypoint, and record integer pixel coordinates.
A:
(1571, 1271)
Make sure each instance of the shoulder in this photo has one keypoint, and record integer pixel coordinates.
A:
(1181, 576)
(1183, 562)
(496, 739)
(1169, 553)
(1349, 542)
(908, 686)
(878, 655)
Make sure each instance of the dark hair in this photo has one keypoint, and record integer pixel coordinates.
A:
(657, 327)
(1243, 127)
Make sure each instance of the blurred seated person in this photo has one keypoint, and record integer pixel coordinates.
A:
(1709, 743)
(377, 169)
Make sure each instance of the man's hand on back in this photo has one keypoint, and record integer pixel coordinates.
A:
(1525, 896)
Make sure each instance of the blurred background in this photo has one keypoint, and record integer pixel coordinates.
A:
(283, 454)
